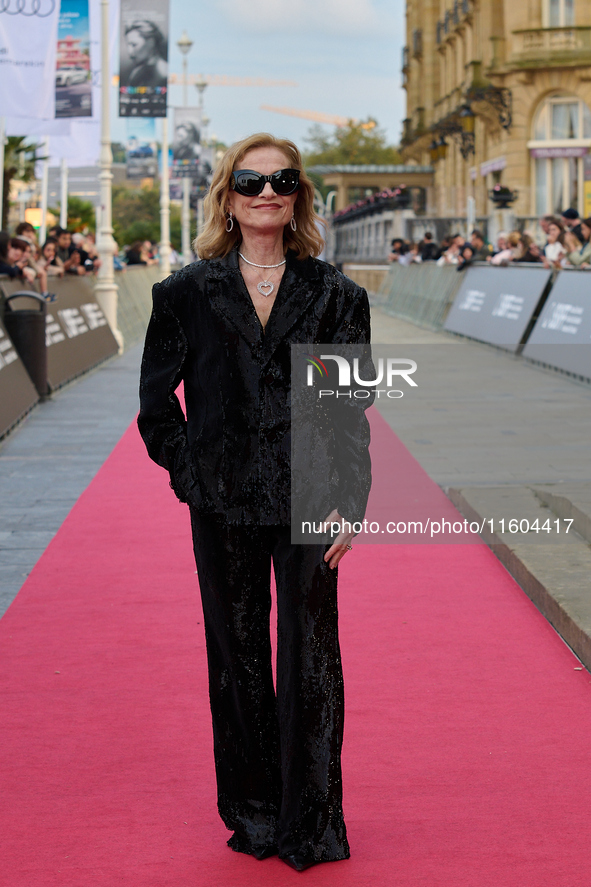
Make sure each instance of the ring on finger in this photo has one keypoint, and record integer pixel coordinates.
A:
(349, 548)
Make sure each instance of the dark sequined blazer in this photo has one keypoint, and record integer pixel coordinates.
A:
(231, 455)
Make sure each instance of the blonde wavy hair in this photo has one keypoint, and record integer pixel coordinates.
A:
(215, 242)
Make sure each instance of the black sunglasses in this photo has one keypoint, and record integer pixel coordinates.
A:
(250, 183)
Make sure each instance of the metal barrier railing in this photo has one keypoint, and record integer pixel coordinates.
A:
(419, 293)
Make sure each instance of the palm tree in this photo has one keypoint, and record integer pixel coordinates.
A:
(19, 163)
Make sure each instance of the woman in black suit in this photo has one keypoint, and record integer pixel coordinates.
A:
(224, 326)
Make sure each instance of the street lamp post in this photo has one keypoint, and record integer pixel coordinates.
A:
(106, 288)
(164, 249)
(200, 85)
(468, 123)
(64, 194)
(184, 44)
(2, 141)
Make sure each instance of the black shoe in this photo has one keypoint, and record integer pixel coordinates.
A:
(259, 851)
(299, 863)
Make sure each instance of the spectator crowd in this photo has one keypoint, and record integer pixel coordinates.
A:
(566, 244)
(63, 253)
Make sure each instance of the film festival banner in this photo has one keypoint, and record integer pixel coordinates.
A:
(186, 144)
(81, 147)
(143, 63)
(28, 47)
(73, 86)
(141, 154)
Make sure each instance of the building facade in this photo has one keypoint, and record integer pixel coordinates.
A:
(499, 93)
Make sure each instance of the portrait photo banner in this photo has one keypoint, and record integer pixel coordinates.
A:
(28, 50)
(186, 144)
(143, 58)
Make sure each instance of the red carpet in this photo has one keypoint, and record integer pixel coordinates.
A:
(467, 737)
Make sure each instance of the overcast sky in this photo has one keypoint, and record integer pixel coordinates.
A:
(345, 56)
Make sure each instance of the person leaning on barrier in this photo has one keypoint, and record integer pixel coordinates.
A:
(69, 254)
(13, 261)
(53, 265)
(398, 248)
(30, 256)
(411, 256)
(474, 251)
(579, 249)
(428, 249)
(554, 250)
(27, 232)
(25, 229)
(546, 221)
(571, 222)
(528, 250)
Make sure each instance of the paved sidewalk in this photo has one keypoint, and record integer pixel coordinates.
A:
(48, 461)
(509, 442)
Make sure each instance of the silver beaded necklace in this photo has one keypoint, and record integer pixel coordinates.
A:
(264, 284)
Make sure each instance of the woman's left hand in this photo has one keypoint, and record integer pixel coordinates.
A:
(342, 543)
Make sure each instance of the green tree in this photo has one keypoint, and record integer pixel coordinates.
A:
(356, 143)
(20, 157)
(136, 216)
(81, 214)
(118, 151)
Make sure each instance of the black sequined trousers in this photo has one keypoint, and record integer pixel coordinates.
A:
(277, 754)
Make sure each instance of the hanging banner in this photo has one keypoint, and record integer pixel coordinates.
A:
(143, 43)
(29, 126)
(28, 47)
(81, 147)
(551, 153)
(73, 87)
(141, 150)
(186, 144)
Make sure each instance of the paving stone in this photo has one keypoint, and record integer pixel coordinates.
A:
(49, 460)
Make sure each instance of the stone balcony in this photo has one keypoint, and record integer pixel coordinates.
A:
(548, 47)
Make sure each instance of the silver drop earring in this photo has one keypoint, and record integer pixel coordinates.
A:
(229, 222)
(293, 224)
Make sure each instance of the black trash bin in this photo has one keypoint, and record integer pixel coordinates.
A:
(26, 328)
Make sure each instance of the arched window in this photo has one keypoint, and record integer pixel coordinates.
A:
(561, 140)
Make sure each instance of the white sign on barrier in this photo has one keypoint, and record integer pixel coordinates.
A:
(7, 352)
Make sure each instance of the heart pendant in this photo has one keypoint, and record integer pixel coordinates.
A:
(265, 284)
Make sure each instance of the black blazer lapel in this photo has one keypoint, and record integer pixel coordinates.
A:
(300, 287)
(229, 297)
